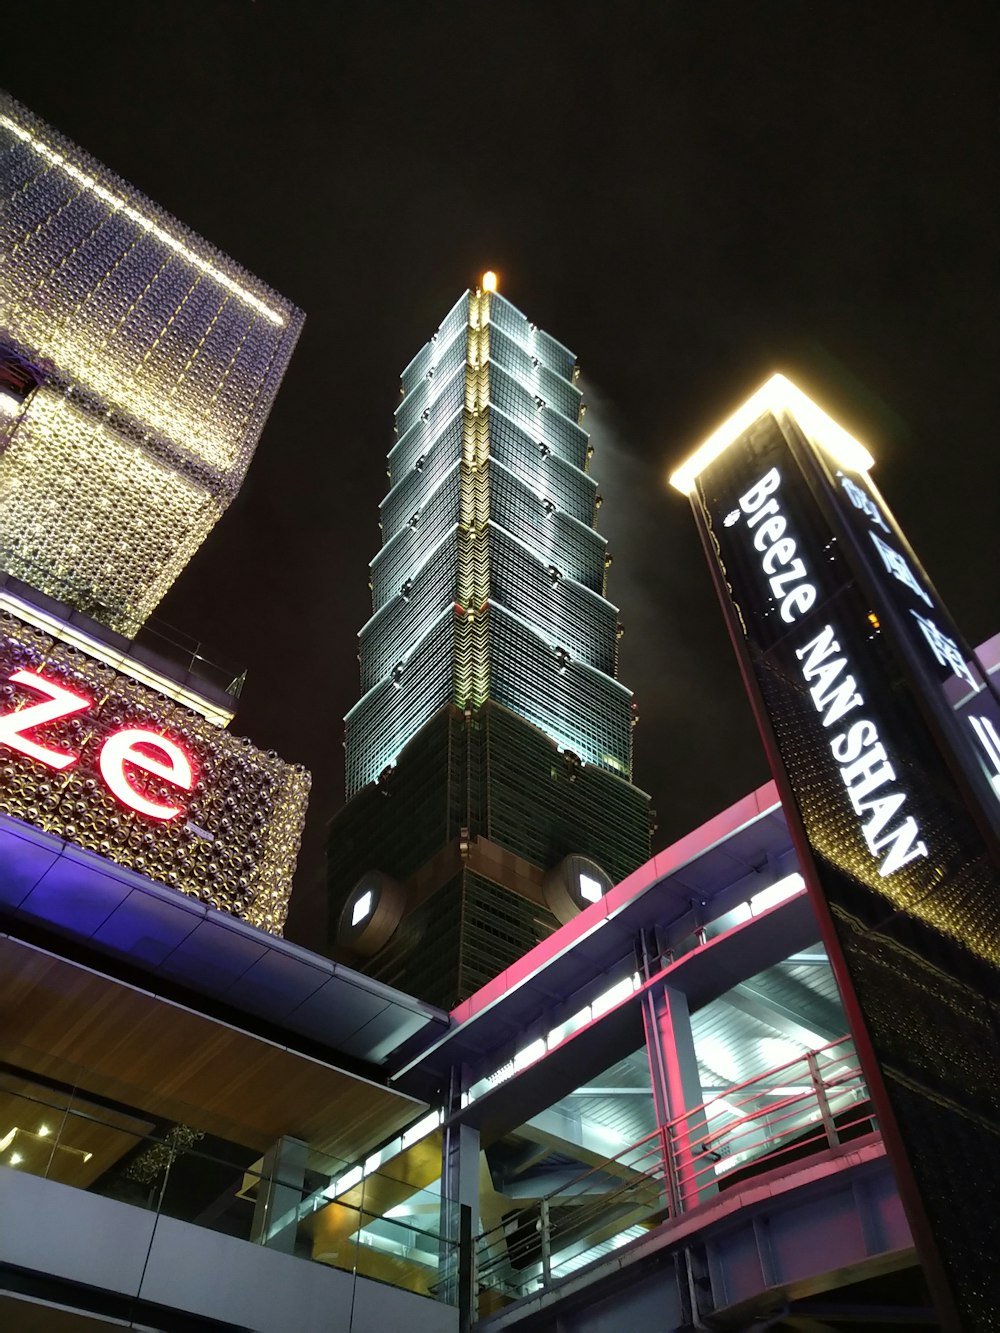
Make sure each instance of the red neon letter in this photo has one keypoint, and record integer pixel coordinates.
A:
(61, 703)
(120, 749)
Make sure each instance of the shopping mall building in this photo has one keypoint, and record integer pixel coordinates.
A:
(631, 1091)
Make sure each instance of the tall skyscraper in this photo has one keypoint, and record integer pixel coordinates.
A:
(489, 759)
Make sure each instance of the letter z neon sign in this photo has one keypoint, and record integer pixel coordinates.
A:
(59, 703)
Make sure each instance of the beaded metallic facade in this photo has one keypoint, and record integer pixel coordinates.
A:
(235, 843)
(137, 368)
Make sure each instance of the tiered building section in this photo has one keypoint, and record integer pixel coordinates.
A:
(137, 368)
(491, 716)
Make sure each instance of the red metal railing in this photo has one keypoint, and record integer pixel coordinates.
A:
(789, 1111)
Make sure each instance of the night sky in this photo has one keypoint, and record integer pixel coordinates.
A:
(689, 194)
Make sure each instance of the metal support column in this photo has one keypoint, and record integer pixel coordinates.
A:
(822, 1101)
(459, 1216)
(676, 1084)
(276, 1210)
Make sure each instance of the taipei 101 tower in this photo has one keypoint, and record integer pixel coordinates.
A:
(489, 758)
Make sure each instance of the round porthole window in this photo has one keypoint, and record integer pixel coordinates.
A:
(574, 884)
(371, 913)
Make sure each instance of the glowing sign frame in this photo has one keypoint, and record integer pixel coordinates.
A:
(776, 395)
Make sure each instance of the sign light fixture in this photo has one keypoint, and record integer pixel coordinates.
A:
(777, 395)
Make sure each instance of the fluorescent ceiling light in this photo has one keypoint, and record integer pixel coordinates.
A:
(777, 893)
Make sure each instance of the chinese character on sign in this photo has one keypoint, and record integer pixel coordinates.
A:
(861, 500)
(898, 567)
(945, 650)
(989, 740)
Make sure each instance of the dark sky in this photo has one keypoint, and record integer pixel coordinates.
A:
(688, 194)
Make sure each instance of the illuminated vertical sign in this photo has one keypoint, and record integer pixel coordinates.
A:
(956, 689)
(881, 731)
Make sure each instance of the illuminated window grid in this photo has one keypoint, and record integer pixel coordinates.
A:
(562, 435)
(548, 475)
(458, 939)
(582, 709)
(515, 359)
(515, 401)
(428, 808)
(565, 438)
(420, 435)
(454, 323)
(549, 505)
(537, 378)
(531, 806)
(588, 711)
(410, 492)
(439, 361)
(410, 547)
(397, 626)
(498, 927)
(524, 403)
(419, 439)
(437, 397)
(419, 826)
(509, 320)
(574, 547)
(436, 364)
(388, 716)
(498, 776)
(423, 952)
(571, 615)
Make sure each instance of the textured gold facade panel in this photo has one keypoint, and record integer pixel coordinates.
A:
(92, 520)
(235, 842)
(139, 365)
(117, 296)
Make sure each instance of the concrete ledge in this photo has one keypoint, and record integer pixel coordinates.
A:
(53, 1230)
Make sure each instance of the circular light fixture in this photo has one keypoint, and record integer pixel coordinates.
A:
(574, 884)
(371, 914)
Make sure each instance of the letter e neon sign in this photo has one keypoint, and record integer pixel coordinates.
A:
(124, 748)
